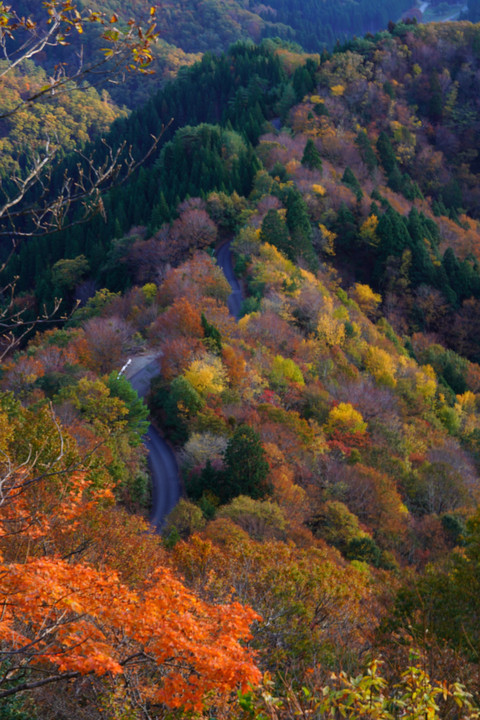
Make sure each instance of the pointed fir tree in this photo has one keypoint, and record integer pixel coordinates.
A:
(386, 152)
(311, 157)
(368, 156)
(299, 226)
(351, 182)
(393, 232)
(246, 469)
(275, 232)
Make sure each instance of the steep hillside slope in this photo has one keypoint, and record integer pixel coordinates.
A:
(66, 122)
(188, 28)
(328, 438)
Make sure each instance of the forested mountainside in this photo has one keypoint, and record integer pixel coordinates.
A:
(188, 28)
(395, 132)
(324, 559)
(311, 24)
(66, 122)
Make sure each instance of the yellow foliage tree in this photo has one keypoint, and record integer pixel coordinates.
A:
(381, 365)
(328, 238)
(426, 382)
(330, 329)
(367, 300)
(207, 375)
(275, 272)
(465, 408)
(344, 418)
(466, 402)
(368, 230)
(285, 370)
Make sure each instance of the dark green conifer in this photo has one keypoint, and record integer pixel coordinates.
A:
(395, 180)
(346, 229)
(368, 156)
(246, 468)
(311, 157)
(386, 152)
(351, 181)
(299, 226)
(452, 194)
(435, 105)
(274, 231)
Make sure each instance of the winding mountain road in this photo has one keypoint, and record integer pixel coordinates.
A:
(224, 260)
(165, 478)
(161, 458)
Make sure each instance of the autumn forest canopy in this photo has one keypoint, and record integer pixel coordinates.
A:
(324, 558)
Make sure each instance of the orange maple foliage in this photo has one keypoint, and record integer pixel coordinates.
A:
(63, 618)
(182, 319)
(81, 620)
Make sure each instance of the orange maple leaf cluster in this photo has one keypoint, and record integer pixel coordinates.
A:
(64, 618)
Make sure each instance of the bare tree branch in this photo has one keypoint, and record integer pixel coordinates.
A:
(39, 683)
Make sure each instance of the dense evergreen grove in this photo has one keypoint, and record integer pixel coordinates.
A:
(238, 91)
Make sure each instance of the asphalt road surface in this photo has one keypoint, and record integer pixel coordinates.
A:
(224, 259)
(161, 459)
(165, 478)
